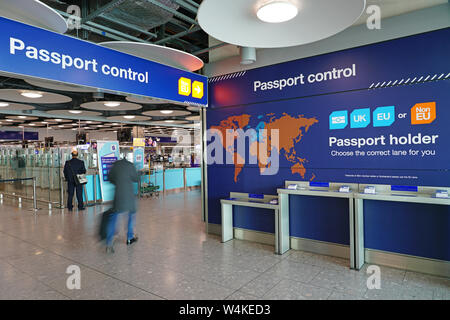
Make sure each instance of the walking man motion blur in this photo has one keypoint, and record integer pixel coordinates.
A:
(71, 168)
(122, 174)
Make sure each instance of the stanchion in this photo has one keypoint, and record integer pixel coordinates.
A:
(95, 188)
(34, 195)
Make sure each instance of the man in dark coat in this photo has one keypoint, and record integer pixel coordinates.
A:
(71, 168)
(122, 174)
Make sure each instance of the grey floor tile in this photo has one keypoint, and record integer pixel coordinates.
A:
(239, 295)
(441, 294)
(293, 290)
(395, 291)
(295, 271)
(261, 285)
(387, 273)
(349, 282)
(175, 259)
(109, 289)
(143, 295)
(328, 262)
(336, 295)
(426, 281)
(88, 279)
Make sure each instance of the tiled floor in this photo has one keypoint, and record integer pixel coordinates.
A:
(175, 259)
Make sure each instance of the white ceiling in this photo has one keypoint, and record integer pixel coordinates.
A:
(389, 8)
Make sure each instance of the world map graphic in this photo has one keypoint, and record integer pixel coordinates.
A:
(291, 130)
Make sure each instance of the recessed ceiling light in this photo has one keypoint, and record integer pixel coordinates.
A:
(9, 120)
(169, 121)
(61, 126)
(75, 111)
(166, 111)
(31, 124)
(111, 104)
(88, 121)
(44, 122)
(3, 104)
(277, 12)
(32, 94)
(22, 117)
(129, 117)
(59, 120)
(74, 129)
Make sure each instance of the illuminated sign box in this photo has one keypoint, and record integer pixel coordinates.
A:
(138, 142)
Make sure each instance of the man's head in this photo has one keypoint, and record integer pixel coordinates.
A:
(74, 154)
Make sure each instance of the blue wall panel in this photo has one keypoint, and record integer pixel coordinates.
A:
(193, 177)
(174, 178)
(157, 179)
(319, 218)
(407, 228)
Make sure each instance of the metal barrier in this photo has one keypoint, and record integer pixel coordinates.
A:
(21, 196)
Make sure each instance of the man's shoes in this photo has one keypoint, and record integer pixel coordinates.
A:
(132, 240)
(109, 249)
(81, 209)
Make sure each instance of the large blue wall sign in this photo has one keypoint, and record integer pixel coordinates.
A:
(377, 114)
(412, 59)
(35, 52)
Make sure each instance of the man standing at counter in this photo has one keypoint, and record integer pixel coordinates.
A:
(71, 168)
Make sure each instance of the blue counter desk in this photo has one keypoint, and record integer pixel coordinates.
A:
(320, 218)
(244, 200)
(404, 230)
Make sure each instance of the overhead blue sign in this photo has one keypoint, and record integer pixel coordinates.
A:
(18, 135)
(413, 60)
(35, 52)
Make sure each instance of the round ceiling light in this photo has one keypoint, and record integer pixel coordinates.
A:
(75, 111)
(3, 104)
(111, 104)
(166, 111)
(169, 121)
(129, 117)
(253, 23)
(32, 94)
(22, 117)
(277, 12)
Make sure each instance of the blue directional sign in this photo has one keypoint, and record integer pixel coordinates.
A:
(35, 52)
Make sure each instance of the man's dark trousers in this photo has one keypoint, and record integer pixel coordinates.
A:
(71, 186)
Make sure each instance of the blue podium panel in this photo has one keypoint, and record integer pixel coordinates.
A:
(319, 218)
(421, 230)
(254, 219)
